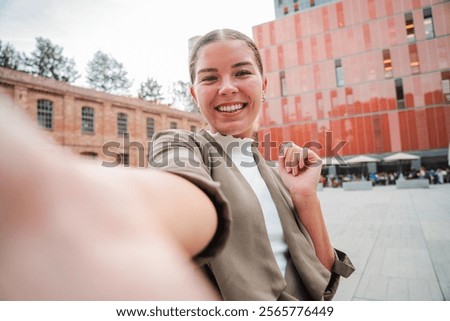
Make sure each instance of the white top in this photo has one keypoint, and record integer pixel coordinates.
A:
(239, 150)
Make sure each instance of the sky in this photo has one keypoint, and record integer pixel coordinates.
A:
(149, 37)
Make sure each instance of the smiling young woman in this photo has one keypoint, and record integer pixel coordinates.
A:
(278, 246)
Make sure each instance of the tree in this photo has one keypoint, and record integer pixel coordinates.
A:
(150, 90)
(48, 61)
(182, 96)
(107, 74)
(9, 57)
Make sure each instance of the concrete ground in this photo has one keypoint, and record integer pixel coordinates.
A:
(398, 240)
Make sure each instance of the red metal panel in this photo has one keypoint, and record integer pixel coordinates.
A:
(385, 130)
(325, 18)
(441, 127)
(414, 144)
(300, 55)
(369, 144)
(404, 133)
(389, 7)
(432, 128)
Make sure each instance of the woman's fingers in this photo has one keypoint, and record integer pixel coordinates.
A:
(295, 159)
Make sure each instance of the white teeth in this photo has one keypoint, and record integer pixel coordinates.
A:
(231, 108)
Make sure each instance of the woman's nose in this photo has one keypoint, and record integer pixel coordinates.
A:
(227, 87)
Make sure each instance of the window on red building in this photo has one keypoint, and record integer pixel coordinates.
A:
(312, 3)
(87, 120)
(150, 127)
(283, 85)
(409, 24)
(399, 93)
(428, 23)
(286, 10)
(339, 73)
(122, 124)
(445, 83)
(173, 125)
(387, 62)
(45, 113)
(89, 155)
(414, 59)
(123, 159)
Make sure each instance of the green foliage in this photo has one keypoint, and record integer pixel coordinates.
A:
(47, 60)
(182, 96)
(106, 74)
(150, 90)
(9, 57)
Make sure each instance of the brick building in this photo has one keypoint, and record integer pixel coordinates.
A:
(93, 123)
(374, 73)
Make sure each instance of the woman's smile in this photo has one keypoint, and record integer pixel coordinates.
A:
(230, 109)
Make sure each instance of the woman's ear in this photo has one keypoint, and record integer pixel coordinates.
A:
(194, 97)
(192, 91)
(264, 86)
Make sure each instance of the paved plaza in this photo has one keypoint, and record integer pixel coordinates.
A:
(398, 240)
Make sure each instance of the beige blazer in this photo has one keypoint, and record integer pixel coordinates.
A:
(239, 261)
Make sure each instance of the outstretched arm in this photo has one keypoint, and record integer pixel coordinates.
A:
(70, 230)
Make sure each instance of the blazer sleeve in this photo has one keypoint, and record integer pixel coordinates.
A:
(182, 153)
(342, 267)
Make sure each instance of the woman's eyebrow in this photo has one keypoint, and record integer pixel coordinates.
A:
(236, 65)
(207, 70)
(241, 64)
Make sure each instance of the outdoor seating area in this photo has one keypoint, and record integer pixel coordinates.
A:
(360, 173)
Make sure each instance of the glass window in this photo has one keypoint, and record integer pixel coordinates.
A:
(150, 127)
(399, 93)
(122, 124)
(409, 24)
(124, 159)
(428, 23)
(285, 10)
(89, 155)
(445, 76)
(283, 85)
(45, 113)
(387, 62)
(87, 120)
(173, 125)
(339, 73)
(193, 128)
(414, 59)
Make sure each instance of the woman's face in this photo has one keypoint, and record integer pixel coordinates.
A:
(228, 87)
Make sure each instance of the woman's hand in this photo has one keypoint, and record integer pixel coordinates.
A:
(300, 169)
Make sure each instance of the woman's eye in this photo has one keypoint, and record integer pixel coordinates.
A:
(243, 73)
(209, 78)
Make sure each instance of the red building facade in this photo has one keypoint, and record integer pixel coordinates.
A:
(373, 73)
